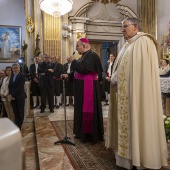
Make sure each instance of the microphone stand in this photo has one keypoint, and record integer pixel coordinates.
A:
(66, 139)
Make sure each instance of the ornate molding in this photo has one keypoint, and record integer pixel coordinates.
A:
(126, 11)
(83, 9)
(80, 35)
(104, 15)
(107, 1)
(30, 25)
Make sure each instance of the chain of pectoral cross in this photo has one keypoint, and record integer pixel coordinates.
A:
(107, 1)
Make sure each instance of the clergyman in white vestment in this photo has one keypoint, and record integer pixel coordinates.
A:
(135, 128)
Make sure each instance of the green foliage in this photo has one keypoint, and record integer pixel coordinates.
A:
(167, 127)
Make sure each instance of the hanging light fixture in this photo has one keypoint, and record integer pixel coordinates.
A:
(56, 8)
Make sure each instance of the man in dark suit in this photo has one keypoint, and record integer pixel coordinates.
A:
(35, 91)
(68, 84)
(46, 72)
(58, 71)
(108, 73)
(17, 94)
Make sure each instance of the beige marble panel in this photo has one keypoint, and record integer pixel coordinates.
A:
(50, 156)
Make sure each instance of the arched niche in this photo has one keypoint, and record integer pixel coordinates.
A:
(99, 22)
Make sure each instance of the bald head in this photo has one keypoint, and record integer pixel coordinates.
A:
(82, 47)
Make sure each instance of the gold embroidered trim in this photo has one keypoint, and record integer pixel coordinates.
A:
(123, 136)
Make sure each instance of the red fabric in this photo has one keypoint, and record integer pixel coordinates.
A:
(88, 100)
(85, 40)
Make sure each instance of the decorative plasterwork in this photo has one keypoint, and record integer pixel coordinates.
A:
(107, 1)
(126, 11)
(104, 15)
(80, 35)
(30, 25)
(83, 9)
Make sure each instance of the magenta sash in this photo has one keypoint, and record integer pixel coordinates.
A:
(88, 100)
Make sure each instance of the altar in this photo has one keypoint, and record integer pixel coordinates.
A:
(165, 90)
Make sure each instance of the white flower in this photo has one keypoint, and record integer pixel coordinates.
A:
(164, 117)
(168, 118)
(166, 122)
(168, 140)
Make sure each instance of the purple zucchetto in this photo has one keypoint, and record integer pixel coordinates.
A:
(85, 40)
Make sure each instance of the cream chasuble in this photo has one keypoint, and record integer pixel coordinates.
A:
(135, 127)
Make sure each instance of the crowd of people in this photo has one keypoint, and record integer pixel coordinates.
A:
(135, 129)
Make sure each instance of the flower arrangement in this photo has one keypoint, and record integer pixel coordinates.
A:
(167, 127)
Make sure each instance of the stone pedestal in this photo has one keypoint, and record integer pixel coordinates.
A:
(10, 146)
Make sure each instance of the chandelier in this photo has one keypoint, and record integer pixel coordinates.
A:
(56, 8)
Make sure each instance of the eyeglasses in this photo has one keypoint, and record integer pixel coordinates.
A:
(125, 26)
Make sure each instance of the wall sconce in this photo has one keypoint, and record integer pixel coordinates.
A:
(66, 34)
(66, 27)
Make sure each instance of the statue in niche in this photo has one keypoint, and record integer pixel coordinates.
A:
(37, 48)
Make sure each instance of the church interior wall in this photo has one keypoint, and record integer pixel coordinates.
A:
(13, 13)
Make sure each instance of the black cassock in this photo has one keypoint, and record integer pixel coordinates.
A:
(89, 63)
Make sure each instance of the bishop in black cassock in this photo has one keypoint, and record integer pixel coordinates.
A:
(88, 117)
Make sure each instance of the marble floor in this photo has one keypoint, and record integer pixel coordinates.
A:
(39, 137)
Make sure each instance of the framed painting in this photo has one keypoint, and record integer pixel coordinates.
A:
(10, 43)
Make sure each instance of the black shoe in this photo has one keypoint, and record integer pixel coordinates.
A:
(57, 106)
(60, 104)
(106, 104)
(106, 100)
(67, 104)
(42, 111)
(52, 111)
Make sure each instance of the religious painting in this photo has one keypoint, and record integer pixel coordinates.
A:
(10, 43)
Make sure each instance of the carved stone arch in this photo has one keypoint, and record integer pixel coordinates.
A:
(124, 10)
(101, 26)
(83, 9)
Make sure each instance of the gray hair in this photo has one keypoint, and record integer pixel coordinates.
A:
(16, 64)
(133, 20)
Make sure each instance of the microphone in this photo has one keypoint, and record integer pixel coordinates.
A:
(73, 53)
